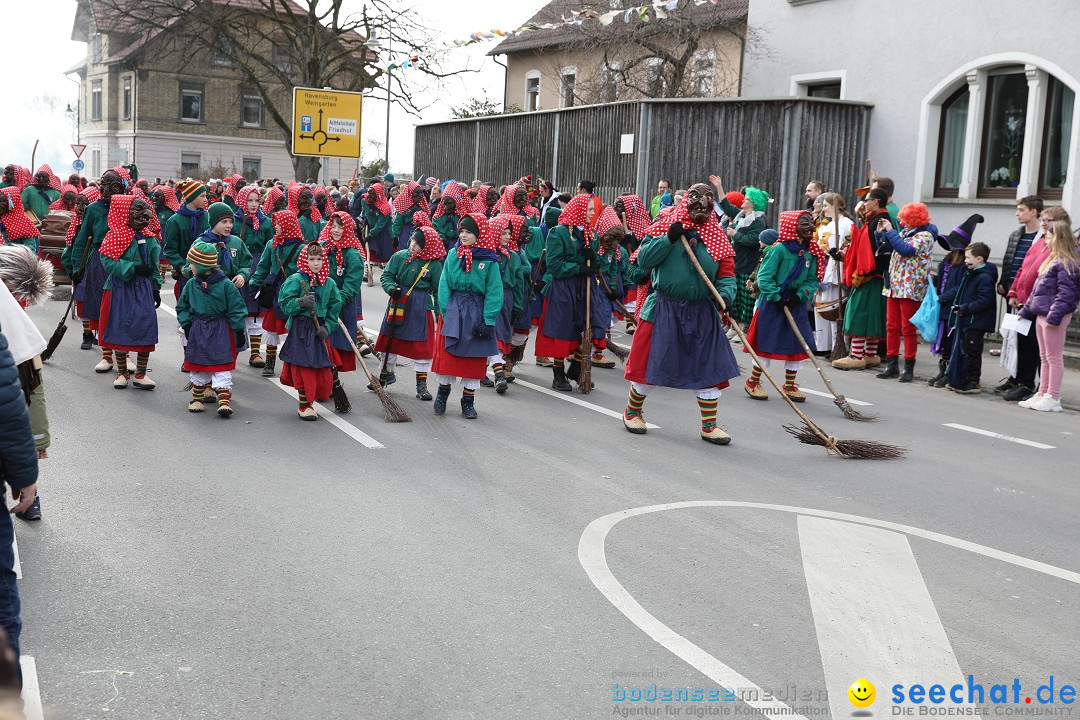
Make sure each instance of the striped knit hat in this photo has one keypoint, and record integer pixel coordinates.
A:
(190, 189)
(202, 255)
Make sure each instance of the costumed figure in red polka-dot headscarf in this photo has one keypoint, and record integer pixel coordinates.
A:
(278, 263)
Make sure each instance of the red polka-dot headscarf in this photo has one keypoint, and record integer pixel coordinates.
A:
(485, 239)
(788, 231)
(479, 203)
(404, 199)
(637, 217)
(421, 219)
(16, 224)
(381, 203)
(242, 203)
(506, 203)
(58, 204)
(716, 241)
(294, 203)
(576, 211)
(120, 234)
(54, 181)
(433, 246)
(92, 194)
(348, 238)
(319, 279)
(286, 227)
(272, 197)
(453, 190)
(499, 223)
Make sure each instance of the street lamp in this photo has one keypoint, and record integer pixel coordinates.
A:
(375, 44)
(73, 116)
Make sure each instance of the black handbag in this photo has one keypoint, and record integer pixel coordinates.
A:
(268, 292)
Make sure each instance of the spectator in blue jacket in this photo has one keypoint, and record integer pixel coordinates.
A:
(19, 467)
(975, 315)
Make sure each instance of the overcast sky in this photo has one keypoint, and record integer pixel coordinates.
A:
(37, 92)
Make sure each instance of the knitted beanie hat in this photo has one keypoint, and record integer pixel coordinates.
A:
(216, 212)
(202, 255)
(467, 223)
(190, 190)
(768, 236)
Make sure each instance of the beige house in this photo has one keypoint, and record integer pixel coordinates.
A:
(696, 51)
(171, 117)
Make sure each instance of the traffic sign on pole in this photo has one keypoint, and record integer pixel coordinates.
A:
(78, 150)
(326, 123)
(78, 165)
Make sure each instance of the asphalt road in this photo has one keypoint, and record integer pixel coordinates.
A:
(263, 567)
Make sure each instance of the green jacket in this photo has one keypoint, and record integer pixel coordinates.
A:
(535, 245)
(615, 268)
(240, 258)
(220, 299)
(256, 240)
(513, 269)
(30, 242)
(95, 224)
(398, 272)
(123, 268)
(163, 214)
(447, 227)
(403, 219)
(675, 276)
(327, 307)
(178, 238)
(268, 263)
(551, 216)
(776, 266)
(32, 200)
(376, 221)
(745, 241)
(352, 273)
(484, 280)
(564, 257)
(309, 228)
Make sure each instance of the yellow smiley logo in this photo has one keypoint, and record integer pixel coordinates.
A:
(862, 693)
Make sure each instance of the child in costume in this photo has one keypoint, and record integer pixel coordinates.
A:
(613, 264)
(310, 302)
(788, 279)
(345, 256)
(470, 298)
(184, 227)
(82, 201)
(212, 313)
(512, 270)
(278, 262)
(255, 229)
(15, 226)
(407, 204)
(129, 254)
(411, 279)
(377, 217)
(974, 315)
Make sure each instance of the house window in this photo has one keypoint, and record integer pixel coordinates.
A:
(612, 76)
(567, 87)
(223, 52)
(95, 100)
(95, 48)
(191, 102)
(252, 169)
(252, 111)
(95, 163)
(702, 73)
(127, 98)
(829, 90)
(1057, 134)
(951, 142)
(532, 91)
(1003, 134)
(189, 163)
(282, 59)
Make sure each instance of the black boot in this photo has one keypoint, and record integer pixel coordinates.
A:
(440, 399)
(485, 382)
(268, 368)
(573, 370)
(909, 371)
(559, 381)
(892, 367)
(87, 341)
(468, 410)
(500, 382)
(422, 391)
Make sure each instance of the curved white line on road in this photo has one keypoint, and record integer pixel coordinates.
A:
(593, 559)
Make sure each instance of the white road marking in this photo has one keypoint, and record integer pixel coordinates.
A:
(808, 391)
(168, 309)
(576, 401)
(31, 692)
(999, 436)
(872, 611)
(18, 563)
(593, 559)
(325, 414)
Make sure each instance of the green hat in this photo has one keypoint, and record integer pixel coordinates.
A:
(216, 212)
(203, 255)
(759, 198)
(467, 223)
(419, 237)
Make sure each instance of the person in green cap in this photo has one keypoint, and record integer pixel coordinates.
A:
(212, 314)
(234, 258)
(746, 225)
(181, 230)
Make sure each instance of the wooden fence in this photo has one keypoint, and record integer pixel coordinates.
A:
(778, 145)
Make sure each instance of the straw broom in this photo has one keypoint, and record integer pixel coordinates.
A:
(839, 400)
(585, 377)
(394, 412)
(809, 433)
(617, 350)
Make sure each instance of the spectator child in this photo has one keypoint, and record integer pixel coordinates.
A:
(974, 312)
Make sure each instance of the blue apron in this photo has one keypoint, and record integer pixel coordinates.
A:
(93, 284)
(689, 349)
(302, 347)
(415, 326)
(465, 312)
(209, 342)
(132, 316)
(338, 339)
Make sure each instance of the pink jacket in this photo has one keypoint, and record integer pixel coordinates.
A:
(1029, 271)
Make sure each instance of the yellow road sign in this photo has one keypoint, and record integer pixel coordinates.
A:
(326, 123)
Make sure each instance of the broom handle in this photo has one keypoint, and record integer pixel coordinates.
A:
(607, 288)
(359, 358)
(754, 355)
(71, 302)
(809, 353)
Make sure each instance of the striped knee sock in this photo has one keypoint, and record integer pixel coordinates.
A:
(467, 393)
(271, 352)
(497, 367)
(224, 396)
(634, 403)
(255, 341)
(197, 392)
(142, 360)
(86, 326)
(421, 377)
(789, 378)
(858, 348)
(121, 363)
(107, 354)
(755, 376)
(560, 363)
(303, 398)
(708, 413)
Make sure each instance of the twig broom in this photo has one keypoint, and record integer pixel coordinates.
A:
(394, 412)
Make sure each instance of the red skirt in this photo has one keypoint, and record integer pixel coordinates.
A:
(412, 349)
(446, 363)
(552, 347)
(343, 360)
(638, 362)
(273, 324)
(106, 304)
(315, 382)
(79, 313)
(751, 339)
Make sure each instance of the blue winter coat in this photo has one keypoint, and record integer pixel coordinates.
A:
(976, 299)
(18, 456)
